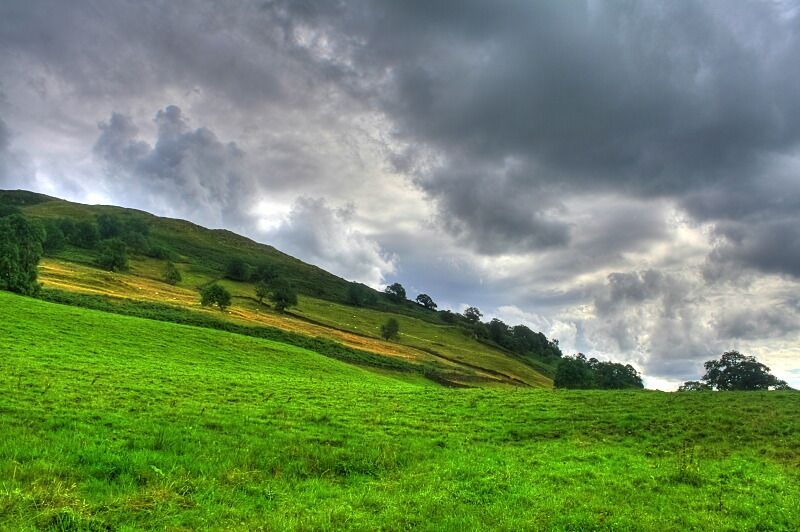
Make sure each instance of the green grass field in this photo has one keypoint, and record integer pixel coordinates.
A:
(110, 422)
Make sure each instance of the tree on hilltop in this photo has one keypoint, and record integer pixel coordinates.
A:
(396, 292)
(473, 315)
(735, 371)
(426, 301)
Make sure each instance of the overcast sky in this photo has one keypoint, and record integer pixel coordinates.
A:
(623, 176)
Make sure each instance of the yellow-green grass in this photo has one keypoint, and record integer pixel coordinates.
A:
(118, 423)
(419, 341)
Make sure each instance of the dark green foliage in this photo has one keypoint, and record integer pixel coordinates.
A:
(267, 272)
(55, 240)
(391, 329)
(573, 373)
(237, 269)
(396, 292)
(500, 333)
(20, 252)
(426, 301)
(694, 386)
(8, 210)
(85, 235)
(158, 251)
(448, 316)
(110, 226)
(171, 274)
(113, 255)
(735, 371)
(473, 315)
(360, 295)
(262, 290)
(283, 295)
(215, 295)
(577, 373)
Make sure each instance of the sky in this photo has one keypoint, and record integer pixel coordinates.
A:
(622, 176)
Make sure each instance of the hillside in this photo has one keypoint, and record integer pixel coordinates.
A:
(202, 255)
(118, 423)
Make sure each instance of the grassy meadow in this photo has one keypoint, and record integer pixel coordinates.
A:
(112, 422)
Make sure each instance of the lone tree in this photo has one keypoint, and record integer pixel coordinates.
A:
(20, 252)
(391, 329)
(396, 292)
(283, 295)
(426, 301)
(735, 371)
(215, 295)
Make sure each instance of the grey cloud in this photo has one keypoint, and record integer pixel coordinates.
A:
(103, 48)
(658, 317)
(191, 170)
(649, 98)
(744, 321)
(320, 234)
(484, 214)
(770, 246)
(15, 168)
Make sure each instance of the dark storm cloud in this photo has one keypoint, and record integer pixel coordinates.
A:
(199, 176)
(106, 48)
(651, 99)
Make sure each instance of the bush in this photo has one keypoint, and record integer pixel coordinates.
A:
(113, 255)
(215, 295)
(171, 274)
(391, 329)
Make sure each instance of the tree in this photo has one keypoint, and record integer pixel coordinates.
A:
(85, 235)
(238, 270)
(574, 373)
(360, 295)
(110, 226)
(391, 329)
(735, 371)
(473, 315)
(215, 294)
(171, 274)
(20, 252)
(396, 292)
(113, 255)
(694, 386)
(55, 240)
(283, 295)
(426, 301)
(262, 290)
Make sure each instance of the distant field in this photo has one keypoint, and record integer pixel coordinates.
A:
(420, 341)
(117, 423)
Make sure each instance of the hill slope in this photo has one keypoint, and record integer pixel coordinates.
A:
(202, 256)
(118, 423)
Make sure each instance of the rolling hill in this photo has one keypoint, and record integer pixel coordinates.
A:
(448, 352)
